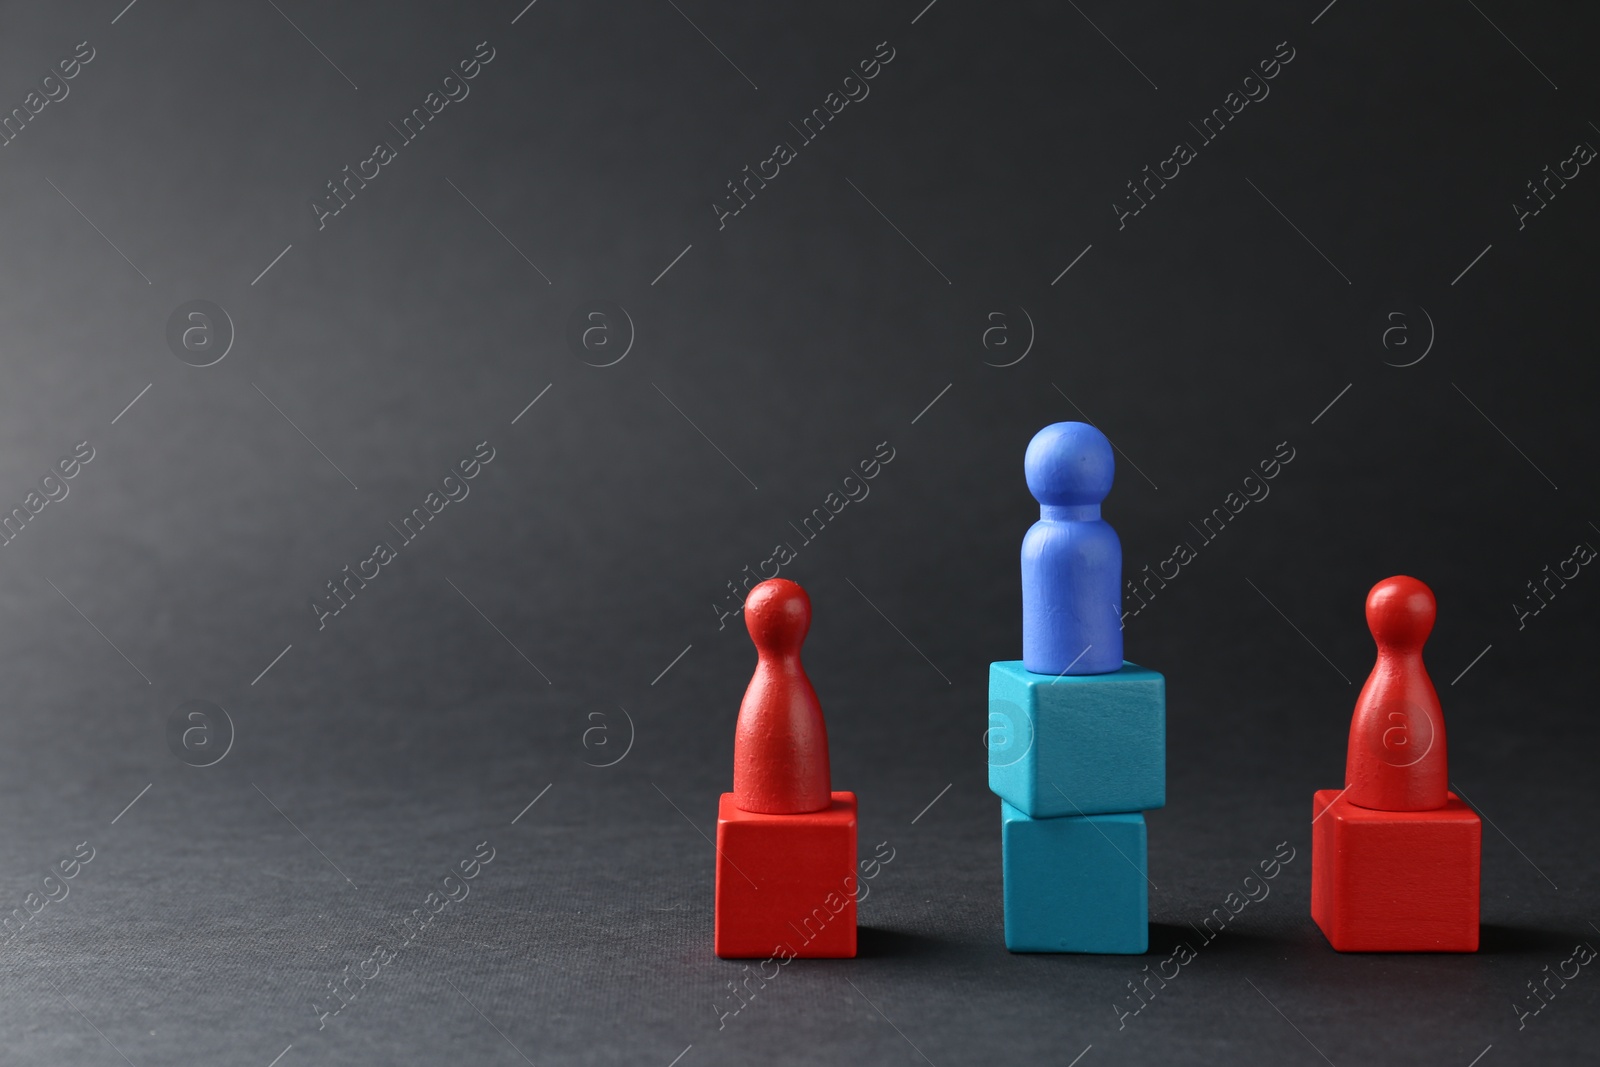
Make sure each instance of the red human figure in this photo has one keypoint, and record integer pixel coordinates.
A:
(780, 749)
(1395, 856)
(1397, 759)
(786, 884)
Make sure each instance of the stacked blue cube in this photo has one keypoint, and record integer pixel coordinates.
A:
(1077, 735)
(1076, 760)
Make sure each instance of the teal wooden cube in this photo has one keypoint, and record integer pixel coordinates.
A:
(1075, 884)
(1077, 744)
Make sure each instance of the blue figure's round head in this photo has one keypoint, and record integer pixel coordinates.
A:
(1069, 464)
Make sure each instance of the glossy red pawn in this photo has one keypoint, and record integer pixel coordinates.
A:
(780, 752)
(1396, 760)
(786, 843)
(1395, 855)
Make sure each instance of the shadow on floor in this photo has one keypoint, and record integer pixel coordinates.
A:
(1521, 940)
(877, 943)
(1165, 938)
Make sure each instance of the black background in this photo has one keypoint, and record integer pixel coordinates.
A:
(415, 324)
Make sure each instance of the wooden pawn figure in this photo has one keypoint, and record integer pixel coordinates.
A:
(780, 747)
(1397, 759)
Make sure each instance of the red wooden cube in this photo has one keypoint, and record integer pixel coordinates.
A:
(786, 884)
(1395, 881)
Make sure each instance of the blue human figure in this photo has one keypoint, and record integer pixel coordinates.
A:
(1071, 558)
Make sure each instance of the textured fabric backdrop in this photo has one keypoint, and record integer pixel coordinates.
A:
(728, 253)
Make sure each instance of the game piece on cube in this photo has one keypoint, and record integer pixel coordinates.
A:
(1395, 855)
(1071, 558)
(1397, 759)
(1078, 744)
(786, 842)
(1077, 735)
(1075, 884)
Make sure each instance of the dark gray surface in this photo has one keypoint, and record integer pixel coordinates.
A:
(797, 338)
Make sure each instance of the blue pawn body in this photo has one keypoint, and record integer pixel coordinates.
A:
(1071, 557)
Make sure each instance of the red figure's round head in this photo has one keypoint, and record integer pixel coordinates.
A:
(1400, 613)
(778, 615)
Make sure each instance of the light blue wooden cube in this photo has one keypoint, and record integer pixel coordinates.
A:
(1075, 884)
(1077, 744)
